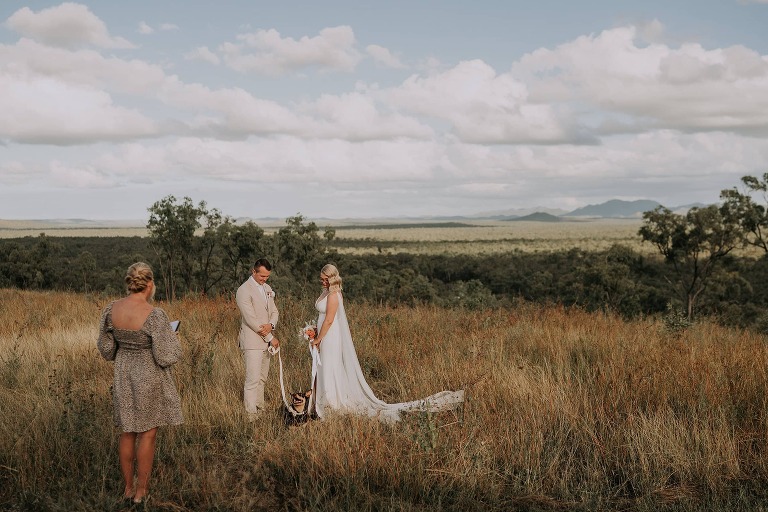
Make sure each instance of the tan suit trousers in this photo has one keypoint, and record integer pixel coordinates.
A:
(256, 373)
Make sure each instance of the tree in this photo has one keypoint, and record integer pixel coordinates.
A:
(36, 265)
(751, 216)
(172, 229)
(85, 266)
(608, 281)
(209, 269)
(240, 246)
(693, 244)
(299, 247)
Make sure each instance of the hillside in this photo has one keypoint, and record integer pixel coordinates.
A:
(615, 208)
(538, 217)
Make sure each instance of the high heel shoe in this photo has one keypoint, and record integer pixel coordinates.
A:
(142, 500)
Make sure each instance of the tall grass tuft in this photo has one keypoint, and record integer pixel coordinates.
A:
(565, 410)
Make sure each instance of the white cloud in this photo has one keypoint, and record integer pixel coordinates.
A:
(144, 28)
(356, 117)
(51, 112)
(669, 118)
(687, 88)
(634, 88)
(66, 25)
(483, 106)
(15, 172)
(651, 32)
(82, 73)
(204, 54)
(77, 177)
(276, 160)
(384, 56)
(79, 67)
(428, 176)
(267, 52)
(228, 112)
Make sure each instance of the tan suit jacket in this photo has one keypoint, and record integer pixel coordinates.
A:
(255, 311)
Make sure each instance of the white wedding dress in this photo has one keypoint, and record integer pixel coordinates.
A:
(341, 386)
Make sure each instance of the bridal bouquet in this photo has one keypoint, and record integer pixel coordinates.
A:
(309, 331)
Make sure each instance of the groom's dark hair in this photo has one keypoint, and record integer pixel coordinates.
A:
(262, 262)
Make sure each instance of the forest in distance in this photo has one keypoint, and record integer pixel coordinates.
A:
(710, 261)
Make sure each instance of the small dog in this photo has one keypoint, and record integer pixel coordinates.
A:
(298, 413)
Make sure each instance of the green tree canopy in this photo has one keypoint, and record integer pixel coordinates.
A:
(693, 244)
(172, 229)
(750, 215)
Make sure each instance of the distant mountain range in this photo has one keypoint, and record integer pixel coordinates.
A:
(613, 209)
(538, 217)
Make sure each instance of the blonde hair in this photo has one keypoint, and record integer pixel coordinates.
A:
(138, 277)
(334, 279)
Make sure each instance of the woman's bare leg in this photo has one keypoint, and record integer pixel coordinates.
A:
(127, 454)
(145, 455)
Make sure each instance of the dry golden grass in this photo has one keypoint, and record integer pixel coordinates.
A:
(565, 410)
(616, 229)
(491, 237)
(512, 234)
(33, 228)
(85, 228)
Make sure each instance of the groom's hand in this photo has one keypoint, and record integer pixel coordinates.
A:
(264, 329)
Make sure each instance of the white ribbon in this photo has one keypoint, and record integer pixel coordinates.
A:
(315, 359)
(315, 352)
(315, 363)
(276, 351)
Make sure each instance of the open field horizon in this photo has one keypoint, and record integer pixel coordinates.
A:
(566, 410)
(391, 237)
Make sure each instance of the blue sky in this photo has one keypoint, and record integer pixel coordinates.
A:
(376, 109)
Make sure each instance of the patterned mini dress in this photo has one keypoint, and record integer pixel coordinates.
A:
(144, 392)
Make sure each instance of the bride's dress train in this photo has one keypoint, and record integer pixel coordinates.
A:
(340, 384)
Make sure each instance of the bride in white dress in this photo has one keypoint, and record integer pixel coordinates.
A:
(340, 385)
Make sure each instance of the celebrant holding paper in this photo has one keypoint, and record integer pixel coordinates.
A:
(139, 339)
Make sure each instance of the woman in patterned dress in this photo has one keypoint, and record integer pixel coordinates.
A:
(139, 339)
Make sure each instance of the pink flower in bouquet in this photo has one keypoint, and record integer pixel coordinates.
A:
(309, 331)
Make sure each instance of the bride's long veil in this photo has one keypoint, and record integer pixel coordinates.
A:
(363, 397)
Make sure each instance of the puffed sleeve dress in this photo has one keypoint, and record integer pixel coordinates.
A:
(143, 391)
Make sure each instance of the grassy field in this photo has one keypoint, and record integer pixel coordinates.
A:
(22, 228)
(565, 411)
(487, 237)
(478, 237)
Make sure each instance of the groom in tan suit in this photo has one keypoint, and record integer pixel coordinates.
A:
(258, 315)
